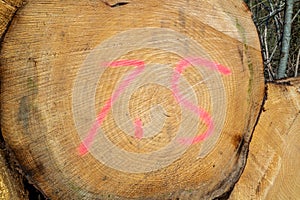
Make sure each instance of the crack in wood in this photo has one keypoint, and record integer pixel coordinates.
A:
(116, 4)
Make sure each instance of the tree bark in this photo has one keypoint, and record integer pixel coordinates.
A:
(131, 100)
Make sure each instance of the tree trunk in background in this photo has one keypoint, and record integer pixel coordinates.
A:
(286, 39)
(136, 99)
(272, 170)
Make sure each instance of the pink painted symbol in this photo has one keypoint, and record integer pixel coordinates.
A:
(139, 133)
(86, 143)
(204, 115)
(184, 63)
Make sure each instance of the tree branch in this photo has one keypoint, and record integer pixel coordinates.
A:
(297, 64)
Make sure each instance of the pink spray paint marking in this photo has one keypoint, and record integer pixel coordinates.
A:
(139, 133)
(87, 142)
(204, 115)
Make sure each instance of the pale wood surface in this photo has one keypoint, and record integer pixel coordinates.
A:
(43, 53)
(273, 165)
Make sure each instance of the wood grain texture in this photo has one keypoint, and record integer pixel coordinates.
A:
(51, 58)
(7, 11)
(272, 169)
(11, 183)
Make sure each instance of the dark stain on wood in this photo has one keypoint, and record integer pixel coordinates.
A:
(26, 105)
(246, 7)
(23, 114)
(38, 167)
(236, 140)
(240, 49)
(240, 146)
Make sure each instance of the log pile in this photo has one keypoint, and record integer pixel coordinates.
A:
(137, 99)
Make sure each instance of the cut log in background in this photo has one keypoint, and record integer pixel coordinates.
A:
(56, 78)
(11, 184)
(272, 170)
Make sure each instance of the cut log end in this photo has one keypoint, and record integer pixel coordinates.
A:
(272, 168)
(149, 99)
